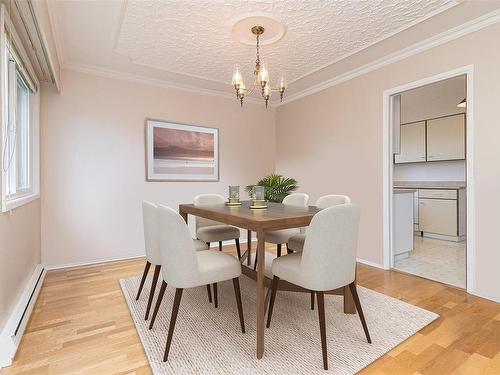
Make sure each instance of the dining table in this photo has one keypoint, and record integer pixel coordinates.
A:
(275, 216)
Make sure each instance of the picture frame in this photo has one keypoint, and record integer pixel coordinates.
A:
(181, 152)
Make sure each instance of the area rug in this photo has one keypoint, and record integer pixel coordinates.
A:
(209, 340)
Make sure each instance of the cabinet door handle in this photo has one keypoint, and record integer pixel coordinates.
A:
(430, 157)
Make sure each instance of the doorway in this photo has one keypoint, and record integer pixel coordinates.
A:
(428, 192)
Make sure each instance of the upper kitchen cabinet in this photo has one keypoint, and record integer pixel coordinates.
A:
(446, 138)
(412, 143)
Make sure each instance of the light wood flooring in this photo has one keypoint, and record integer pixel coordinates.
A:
(81, 325)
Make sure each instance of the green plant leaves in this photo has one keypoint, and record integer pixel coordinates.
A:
(276, 186)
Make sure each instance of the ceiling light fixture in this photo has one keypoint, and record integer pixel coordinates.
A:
(261, 76)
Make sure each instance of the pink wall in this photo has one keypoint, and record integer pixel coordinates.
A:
(93, 163)
(19, 254)
(332, 143)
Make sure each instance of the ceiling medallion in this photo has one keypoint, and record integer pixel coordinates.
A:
(261, 76)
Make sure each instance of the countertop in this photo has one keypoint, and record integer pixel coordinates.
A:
(430, 184)
(403, 191)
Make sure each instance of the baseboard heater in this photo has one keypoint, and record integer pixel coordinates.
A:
(18, 320)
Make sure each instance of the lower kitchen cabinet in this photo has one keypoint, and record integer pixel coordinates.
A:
(438, 216)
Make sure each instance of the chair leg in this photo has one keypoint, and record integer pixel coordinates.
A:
(236, 285)
(215, 295)
(322, 327)
(278, 250)
(158, 303)
(153, 288)
(288, 250)
(173, 318)
(354, 293)
(238, 251)
(274, 288)
(220, 245)
(312, 300)
(255, 264)
(249, 247)
(209, 291)
(144, 275)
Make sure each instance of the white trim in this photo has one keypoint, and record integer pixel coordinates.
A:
(53, 19)
(117, 259)
(92, 262)
(441, 9)
(388, 170)
(491, 298)
(108, 73)
(368, 263)
(434, 41)
(10, 204)
(9, 339)
(437, 40)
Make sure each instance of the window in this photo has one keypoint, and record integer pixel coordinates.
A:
(17, 154)
(19, 130)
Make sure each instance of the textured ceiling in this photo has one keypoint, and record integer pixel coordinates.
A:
(194, 37)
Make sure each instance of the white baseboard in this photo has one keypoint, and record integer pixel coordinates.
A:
(16, 324)
(491, 298)
(92, 262)
(128, 257)
(368, 263)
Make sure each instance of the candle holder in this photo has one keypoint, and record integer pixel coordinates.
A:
(234, 196)
(258, 197)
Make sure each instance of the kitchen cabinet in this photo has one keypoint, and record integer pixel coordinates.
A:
(412, 143)
(438, 216)
(446, 138)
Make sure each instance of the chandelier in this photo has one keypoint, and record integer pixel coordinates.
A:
(261, 77)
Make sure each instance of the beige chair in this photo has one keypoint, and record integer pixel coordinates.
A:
(212, 231)
(296, 242)
(327, 262)
(183, 267)
(151, 242)
(280, 237)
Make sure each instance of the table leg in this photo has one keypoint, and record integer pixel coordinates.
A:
(349, 306)
(260, 294)
(249, 247)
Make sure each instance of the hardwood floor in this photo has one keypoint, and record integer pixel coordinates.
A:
(81, 324)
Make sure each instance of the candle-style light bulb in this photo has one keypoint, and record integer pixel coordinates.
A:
(237, 77)
(282, 85)
(263, 76)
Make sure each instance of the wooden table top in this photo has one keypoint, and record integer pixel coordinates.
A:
(275, 216)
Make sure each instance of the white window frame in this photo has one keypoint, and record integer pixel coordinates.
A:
(21, 197)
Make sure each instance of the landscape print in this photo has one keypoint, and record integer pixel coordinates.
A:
(182, 152)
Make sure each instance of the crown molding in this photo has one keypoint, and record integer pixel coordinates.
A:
(113, 74)
(477, 24)
(441, 9)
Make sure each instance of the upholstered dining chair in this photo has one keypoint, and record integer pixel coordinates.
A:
(280, 237)
(151, 241)
(212, 231)
(183, 267)
(296, 242)
(327, 262)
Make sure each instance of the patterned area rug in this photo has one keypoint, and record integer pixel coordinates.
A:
(209, 340)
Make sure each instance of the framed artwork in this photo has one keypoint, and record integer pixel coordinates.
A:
(179, 152)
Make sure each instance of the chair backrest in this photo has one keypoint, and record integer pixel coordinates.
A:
(296, 199)
(331, 200)
(151, 234)
(207, 200)
(179, 264)
(329, 254)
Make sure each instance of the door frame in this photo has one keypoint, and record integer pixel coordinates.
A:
(468, 71)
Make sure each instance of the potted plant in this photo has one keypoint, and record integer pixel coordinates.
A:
(276, 186)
